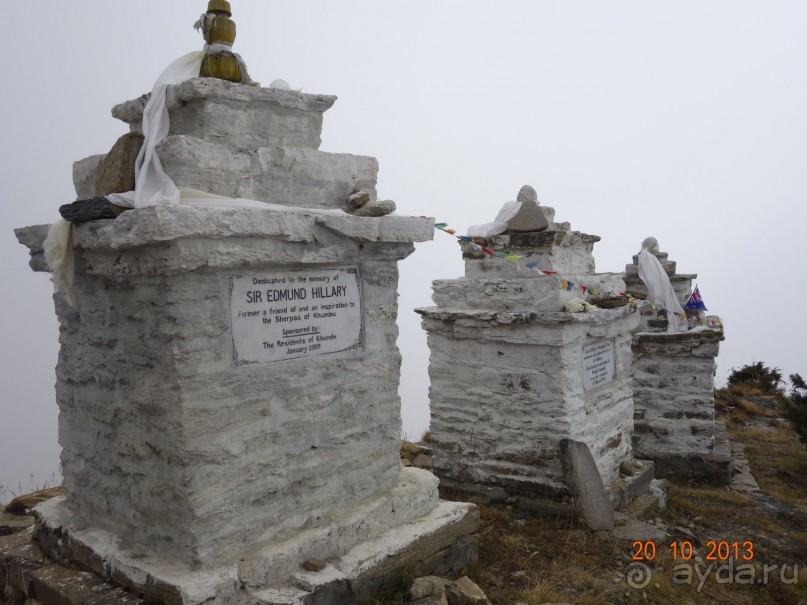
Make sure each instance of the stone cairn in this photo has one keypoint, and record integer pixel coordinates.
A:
(673, 383)
(520, 386)
(228, 378)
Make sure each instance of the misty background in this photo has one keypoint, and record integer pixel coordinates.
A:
(684, 121)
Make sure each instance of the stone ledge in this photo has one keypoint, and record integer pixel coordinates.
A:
(365, 546)
(292, 176)
(159, 224)
(523, 316)
(26, 574)
(680, 337)
(204, 88)
(239, 116)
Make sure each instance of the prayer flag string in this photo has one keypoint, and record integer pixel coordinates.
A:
(565, 284)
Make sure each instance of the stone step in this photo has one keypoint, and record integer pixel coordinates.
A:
(669, 268)
(436, 543)
(662, 256)
(26, 575)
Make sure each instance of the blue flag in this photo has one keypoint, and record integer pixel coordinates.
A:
(695, 301)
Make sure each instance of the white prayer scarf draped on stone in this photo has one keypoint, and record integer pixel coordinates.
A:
(499, 224)
(660, 291)
(153, 186)
(58, 249)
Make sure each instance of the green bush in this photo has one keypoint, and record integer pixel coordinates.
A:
(796, 406)
(758, 375)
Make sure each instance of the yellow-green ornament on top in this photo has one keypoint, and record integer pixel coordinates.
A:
(218, 30)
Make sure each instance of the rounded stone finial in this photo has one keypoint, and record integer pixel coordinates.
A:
(650, 244)
(527, 194)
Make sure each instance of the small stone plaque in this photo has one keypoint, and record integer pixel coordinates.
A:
(289, 314)
(599, 367)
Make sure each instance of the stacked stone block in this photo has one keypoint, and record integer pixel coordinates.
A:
(673, 374)
(195, 474)
(507, 368)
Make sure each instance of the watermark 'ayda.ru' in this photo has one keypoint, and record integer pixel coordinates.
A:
(640, 575)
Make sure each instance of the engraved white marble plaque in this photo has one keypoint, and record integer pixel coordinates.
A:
(598, 364)
(288, 314)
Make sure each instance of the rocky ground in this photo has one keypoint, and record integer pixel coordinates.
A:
(761, 518)
(755, 530)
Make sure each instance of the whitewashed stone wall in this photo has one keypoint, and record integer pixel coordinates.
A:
(189, 473)
(205, 461)
(508, 372)
(673, 375)
(157, 424)
(674, 394)
(246, 142)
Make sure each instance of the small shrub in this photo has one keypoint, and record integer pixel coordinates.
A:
(796, 406)
(767, 380)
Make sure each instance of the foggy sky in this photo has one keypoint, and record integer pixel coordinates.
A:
(684, 121)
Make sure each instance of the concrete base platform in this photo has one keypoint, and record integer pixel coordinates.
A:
(405, 529)
(714, 467)
(621, 493)
(27, 576)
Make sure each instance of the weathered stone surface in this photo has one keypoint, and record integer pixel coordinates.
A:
(431, 600)
(57, 585)
(428, 586)
(358, 199)
(527, 194)
(581, 472)
(19, 557)
(650, 244)
(290, 176)
(95, 209)
(627, 468)
(635, 530)
(465, 592)
(116, 171)
(229, 460)
(33, 238)
(681, 283)
(315, 565)
(233, 114)
(529, 217)
(524, 290)
(566, 252)
(378, 208)
(196, 478)
(623, 491)
(151, 230)
(84, 172)
(674, 395)
(503, 393)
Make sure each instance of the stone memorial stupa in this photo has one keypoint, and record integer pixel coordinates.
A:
(228, 376)
(514, 372)
(673, 380)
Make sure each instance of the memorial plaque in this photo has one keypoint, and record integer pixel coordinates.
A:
(598, 364)
(289, 314)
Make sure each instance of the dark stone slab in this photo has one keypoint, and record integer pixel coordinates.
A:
(57, 585)
(94, 209)
(585, 482)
